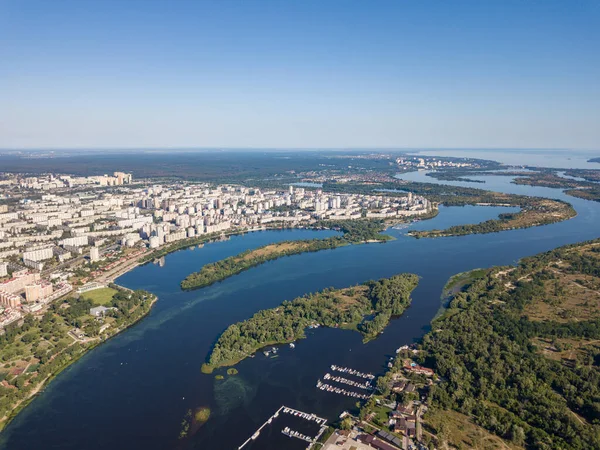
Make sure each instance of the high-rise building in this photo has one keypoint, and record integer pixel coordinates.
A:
(94, 254)
(3, 269)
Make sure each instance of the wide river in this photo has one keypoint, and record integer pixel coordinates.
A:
(133, 391)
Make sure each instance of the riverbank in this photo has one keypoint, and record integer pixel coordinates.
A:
(20, 387)
(533, 327)
(534, 212)
(366, 308)
(354, 232)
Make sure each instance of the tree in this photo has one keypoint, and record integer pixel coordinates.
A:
(346, 424)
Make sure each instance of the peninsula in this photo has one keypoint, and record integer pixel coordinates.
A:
(354, 232)
(535, 211)
(344, 308)
(517, 350)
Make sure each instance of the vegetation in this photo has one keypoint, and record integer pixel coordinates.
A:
(452, 175)
(354, 231)
(535, 211)
(202, 414)
(516, 351)
(179, 245)
(40, 348)
(102, 296)
(587, 188)
(586, 194)
(347, 308)
(232, 371)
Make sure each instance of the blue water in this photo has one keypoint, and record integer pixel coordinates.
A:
(561, 159)
(133, 391)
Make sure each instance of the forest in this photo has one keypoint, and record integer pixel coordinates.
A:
(345, 308)
(353, 232)
(486, 349)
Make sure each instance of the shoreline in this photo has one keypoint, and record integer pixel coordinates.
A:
(40, 388)
(368, 313)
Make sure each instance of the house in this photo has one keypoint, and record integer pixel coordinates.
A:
(99, 311)
(399, 386)
(376, 443)
(405, 410)
(406, 427)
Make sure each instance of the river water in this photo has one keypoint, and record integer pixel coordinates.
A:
(133, 391)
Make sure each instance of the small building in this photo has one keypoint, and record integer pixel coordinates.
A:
(99, 311)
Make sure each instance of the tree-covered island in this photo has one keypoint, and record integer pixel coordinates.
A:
(345, 308)
(353, 232)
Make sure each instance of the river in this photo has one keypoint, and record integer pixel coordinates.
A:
(133, 391)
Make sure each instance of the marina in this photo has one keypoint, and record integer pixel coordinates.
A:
(337, 390)
(288, 421)
(356, 373)
(367, 386)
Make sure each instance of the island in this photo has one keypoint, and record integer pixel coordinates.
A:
(594, 160)
(366, 308)
(354, 231)
(581, 183)
(535, 211)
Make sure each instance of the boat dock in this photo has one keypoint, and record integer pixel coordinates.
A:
(366, 386)
(337, 390)
(356, 373)
(294, 434)
(287, 430)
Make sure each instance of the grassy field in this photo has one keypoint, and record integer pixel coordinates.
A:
(461, 432)
(100, 296)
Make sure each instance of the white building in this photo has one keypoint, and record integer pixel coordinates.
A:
(94, 254)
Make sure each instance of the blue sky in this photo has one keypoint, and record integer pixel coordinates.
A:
(300, 73)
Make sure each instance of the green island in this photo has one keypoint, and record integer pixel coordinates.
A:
(366, 308)
(518, 354)
(588, 188)
(535, 211)
(354, 232)
(36, 351)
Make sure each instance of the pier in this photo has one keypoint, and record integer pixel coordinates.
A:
(294, 434)
(287, 430)
(366, 386)
(356, 373)
(337, 390)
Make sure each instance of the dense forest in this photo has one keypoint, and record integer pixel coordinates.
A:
(518, 352)
(353, 232)
(347, 308)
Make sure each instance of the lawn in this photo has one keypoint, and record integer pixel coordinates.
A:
(100, 296)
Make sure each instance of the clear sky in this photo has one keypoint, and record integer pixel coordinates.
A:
(300, 73)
